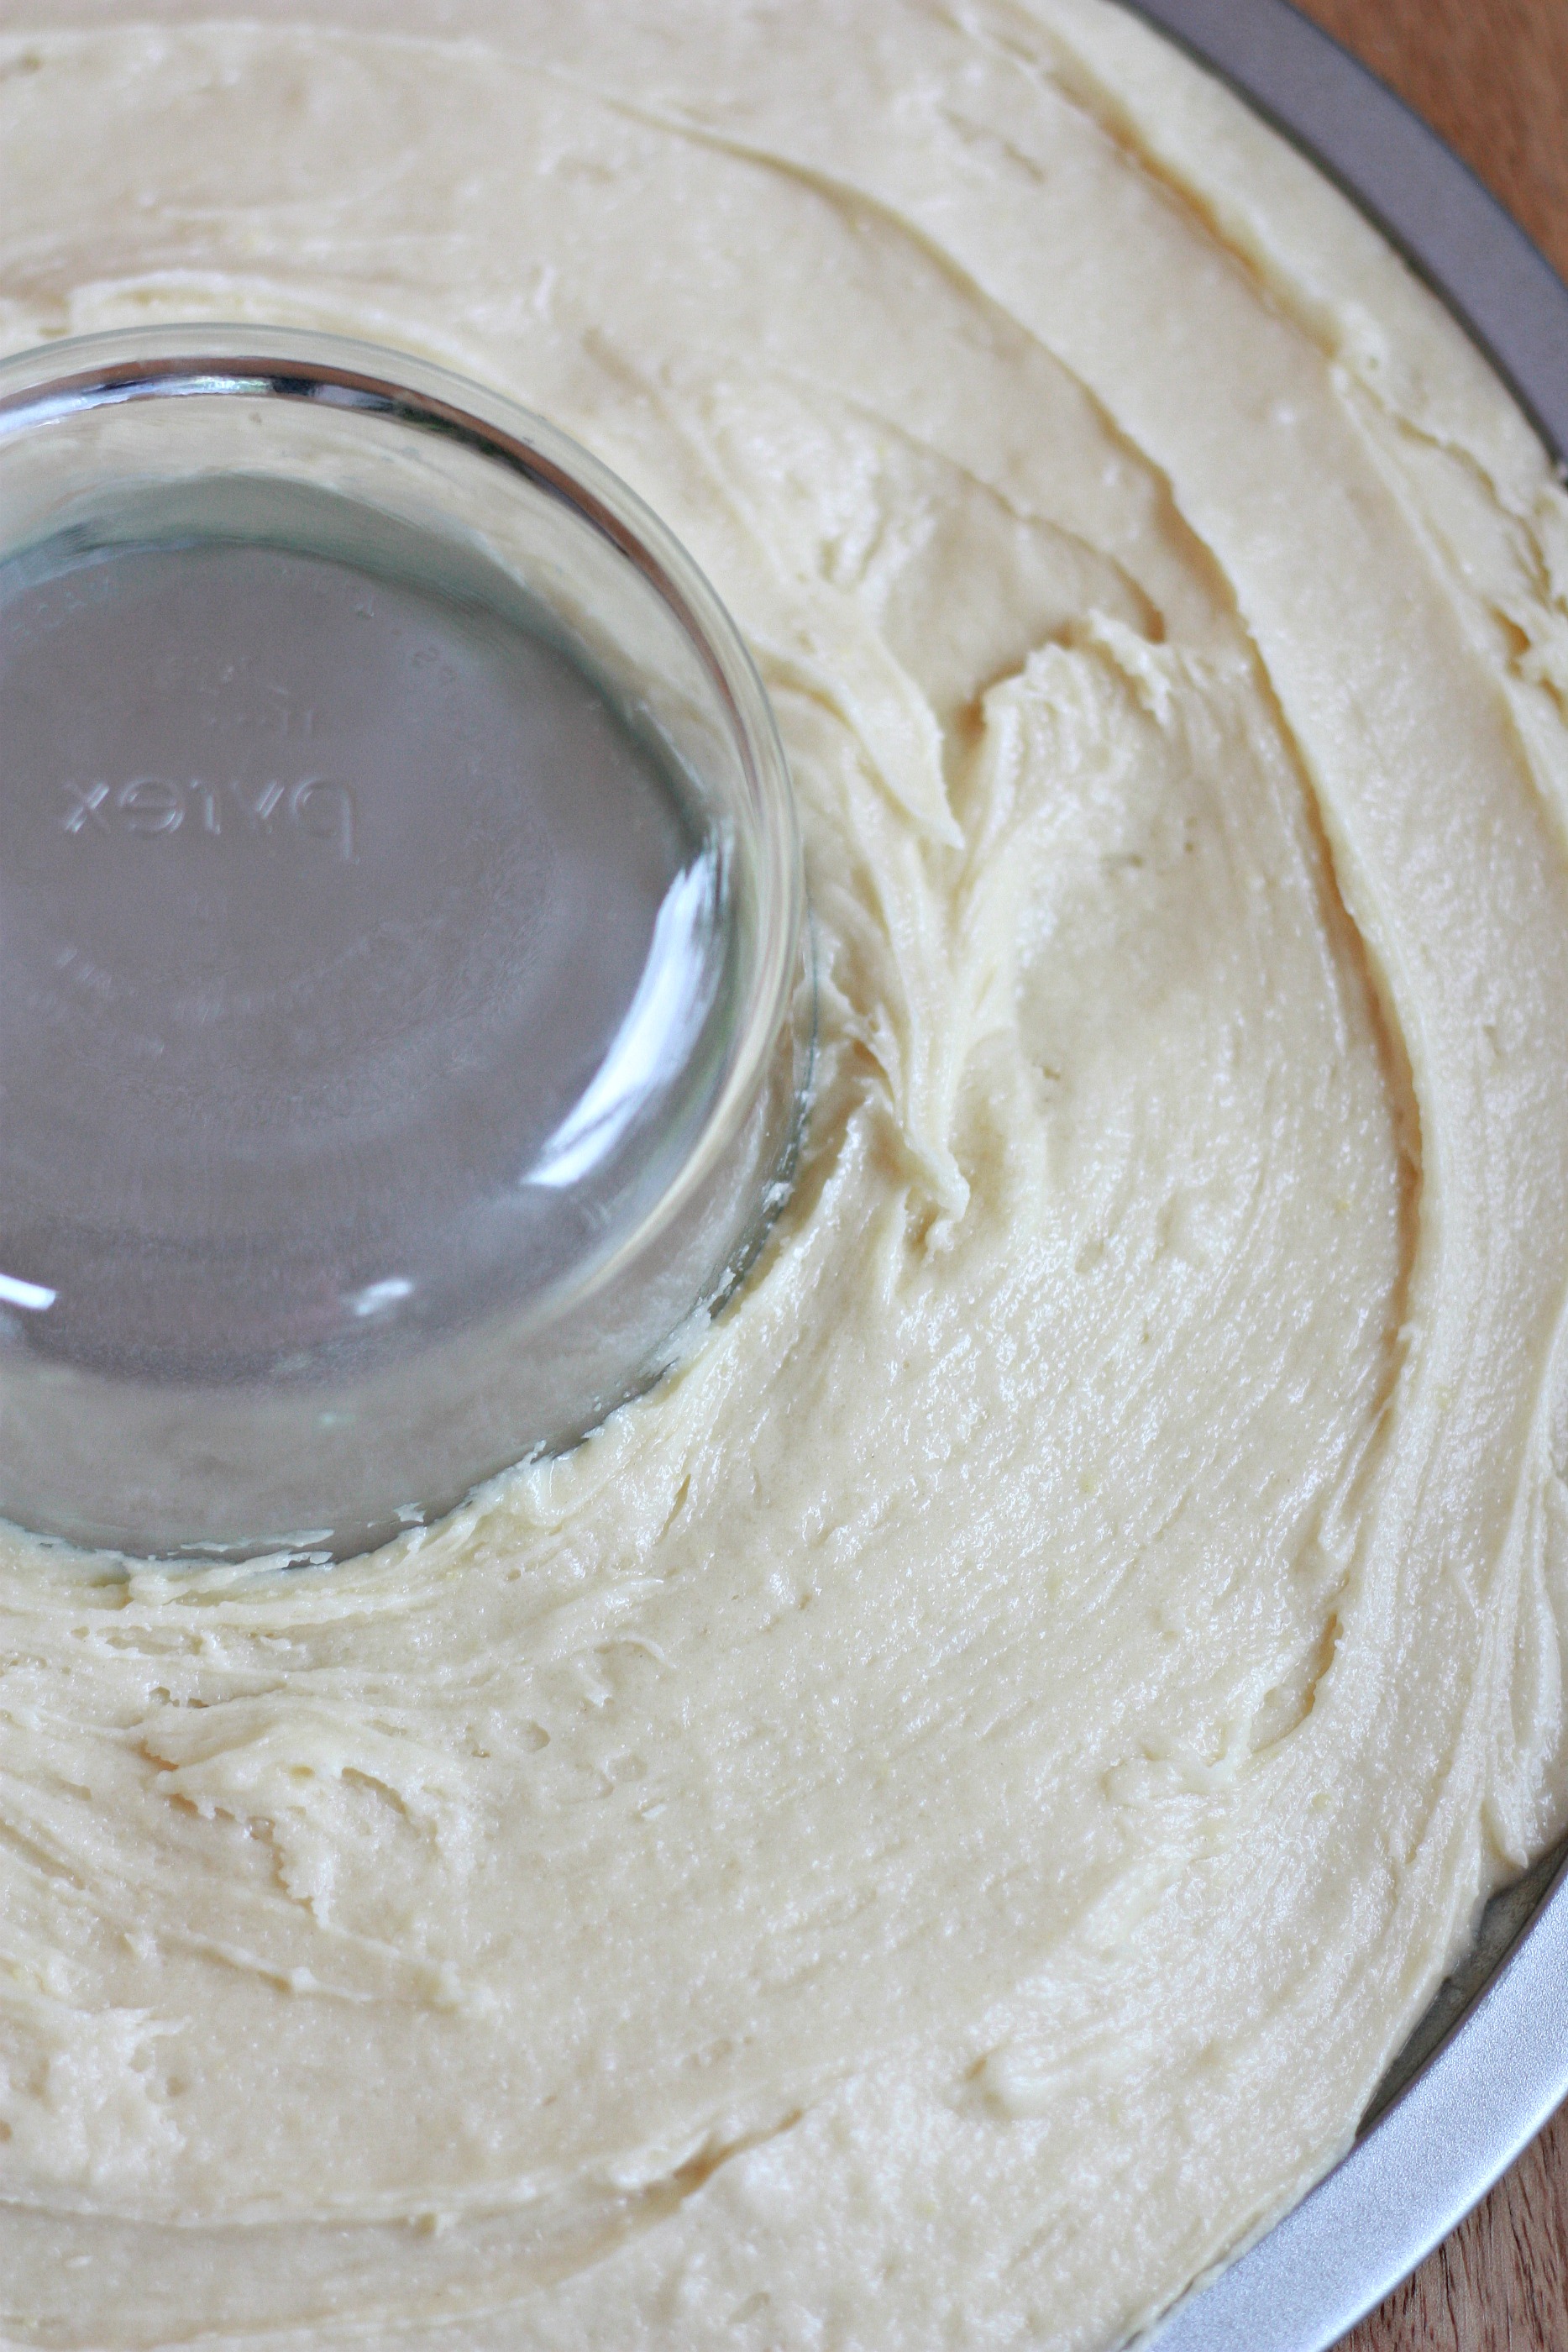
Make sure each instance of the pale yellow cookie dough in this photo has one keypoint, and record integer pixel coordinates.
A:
(926, 1831)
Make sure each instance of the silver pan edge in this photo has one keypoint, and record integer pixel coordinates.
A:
(1487, 2064)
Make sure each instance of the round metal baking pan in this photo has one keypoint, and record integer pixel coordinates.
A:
(1489, 2063)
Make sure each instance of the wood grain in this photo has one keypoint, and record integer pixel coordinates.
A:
(1492, 77)
(1500, 2282)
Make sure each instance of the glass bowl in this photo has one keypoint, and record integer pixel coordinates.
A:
(404, 1022)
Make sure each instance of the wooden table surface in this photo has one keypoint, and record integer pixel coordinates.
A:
(1492, 77)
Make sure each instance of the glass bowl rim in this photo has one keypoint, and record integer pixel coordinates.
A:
(63, 379)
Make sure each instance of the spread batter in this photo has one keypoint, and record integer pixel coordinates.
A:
(927, 1829)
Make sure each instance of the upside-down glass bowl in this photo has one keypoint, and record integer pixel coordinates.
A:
(402, 1027)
